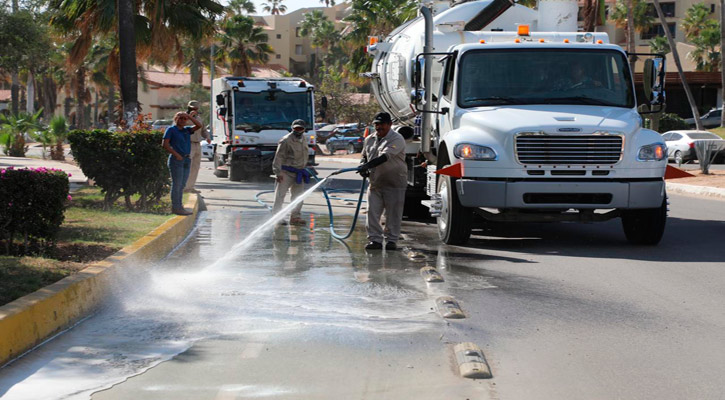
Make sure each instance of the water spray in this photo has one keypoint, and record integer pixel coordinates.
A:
(326, 193)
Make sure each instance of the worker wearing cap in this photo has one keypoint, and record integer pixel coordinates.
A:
(289, 168)
(193, 110)
(383, 161)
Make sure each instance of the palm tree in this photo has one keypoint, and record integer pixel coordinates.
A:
(241, 7)
(372, 18)
(274, 7)
(241, 43)
(704, 33)
(633, 16)
(143, 26)
(328, 3)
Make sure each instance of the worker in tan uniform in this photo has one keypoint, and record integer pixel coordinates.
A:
(199, 134)
(383, 161)
(289, 168)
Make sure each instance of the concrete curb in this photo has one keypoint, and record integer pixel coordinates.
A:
(696, 190)
(31, 319)
(342, 160)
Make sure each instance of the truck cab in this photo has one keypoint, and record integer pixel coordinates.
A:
(251, 116)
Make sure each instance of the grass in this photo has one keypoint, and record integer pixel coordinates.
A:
(88, 234)
(718, 131)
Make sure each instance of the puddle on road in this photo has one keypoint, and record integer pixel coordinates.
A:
(292, 278)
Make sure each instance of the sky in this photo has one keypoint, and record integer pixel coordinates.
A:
(291, 4)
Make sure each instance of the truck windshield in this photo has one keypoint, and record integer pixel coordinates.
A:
(254, 112)
(544, 76)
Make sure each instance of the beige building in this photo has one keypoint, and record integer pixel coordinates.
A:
(291, 50)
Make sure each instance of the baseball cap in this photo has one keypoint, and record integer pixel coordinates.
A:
(193, 104)
(381, 118)
(298, 123)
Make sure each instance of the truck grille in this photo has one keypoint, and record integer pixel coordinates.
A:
(566, 149)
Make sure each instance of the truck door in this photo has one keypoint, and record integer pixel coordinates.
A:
(445, 97)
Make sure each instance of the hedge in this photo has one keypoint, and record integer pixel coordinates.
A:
(32, 203)
(123, 164)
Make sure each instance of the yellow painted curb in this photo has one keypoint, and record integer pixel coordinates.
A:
(29, 320)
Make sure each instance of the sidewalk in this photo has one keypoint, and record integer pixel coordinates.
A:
(76, 178)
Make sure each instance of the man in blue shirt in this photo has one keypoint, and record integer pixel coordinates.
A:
(177, 142)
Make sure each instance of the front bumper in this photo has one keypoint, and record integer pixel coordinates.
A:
(634, 194)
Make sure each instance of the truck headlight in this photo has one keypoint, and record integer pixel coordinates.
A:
(652, 152)
(469, 151)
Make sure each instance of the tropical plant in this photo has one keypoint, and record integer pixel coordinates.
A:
(660, 45)
(59, 129)
(14, 129)
(274, 7)
(241, 43)
(632, 15)
(328, 3)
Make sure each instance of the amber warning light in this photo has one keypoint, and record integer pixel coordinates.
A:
(523, 30)
(373, 40)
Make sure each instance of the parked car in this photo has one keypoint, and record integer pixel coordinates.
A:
(207, 150)
(710, 120)
(681, 144)
(161, 125)
(322, 134)
(350, 141)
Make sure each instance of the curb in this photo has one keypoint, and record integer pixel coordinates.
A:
(696, 190)
(31, 319)
(342, 160)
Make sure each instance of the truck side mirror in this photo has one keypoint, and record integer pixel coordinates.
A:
(653, 80)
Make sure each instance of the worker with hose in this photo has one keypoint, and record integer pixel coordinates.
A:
(289, 168)
(383, 161)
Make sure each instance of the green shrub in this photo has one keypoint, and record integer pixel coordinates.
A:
(123, 164)
(32, 202)
(672, 122)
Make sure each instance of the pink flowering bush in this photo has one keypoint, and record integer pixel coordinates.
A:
(32, 203)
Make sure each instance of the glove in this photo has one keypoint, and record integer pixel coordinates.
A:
(363, 171)
(372, 164)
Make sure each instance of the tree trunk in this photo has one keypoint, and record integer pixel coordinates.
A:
(722, 63)
(15, 93)
(676, 57)
(80, 95)
(30, 99)
(128, 74)
(95, 110)
(110, 117)
(590, 13)
(195, 66)
(630, 34)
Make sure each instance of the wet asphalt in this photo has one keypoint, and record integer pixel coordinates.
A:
(560, 311)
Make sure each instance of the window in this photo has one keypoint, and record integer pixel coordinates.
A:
(668, 9)
(279, 36)
(656, 30)
(667, 137)
(297, 32)
(278, 56)
(298, 49)
(675, 137)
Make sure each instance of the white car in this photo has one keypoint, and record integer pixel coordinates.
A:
(207, 150)
(681, 144)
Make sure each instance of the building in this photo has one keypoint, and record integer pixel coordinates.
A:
(291, 50)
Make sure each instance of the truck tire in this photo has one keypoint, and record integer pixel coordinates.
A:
(221, 173)
(235, 172)
(645, 226)
(454, 223)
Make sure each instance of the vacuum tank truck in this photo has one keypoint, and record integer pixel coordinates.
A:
(510, 114)
(252, 115)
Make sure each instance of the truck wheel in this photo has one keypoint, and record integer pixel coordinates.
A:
(350, 148)
(454, 223)
(235, 172)
(646, 226)
(221, 173)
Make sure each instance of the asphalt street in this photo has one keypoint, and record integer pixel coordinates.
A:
(561, 311)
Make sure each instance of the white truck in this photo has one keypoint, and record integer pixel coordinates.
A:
(531, 120)
(251, 116)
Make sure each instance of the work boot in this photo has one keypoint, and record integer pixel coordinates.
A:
(391, 246)
(181, 211)
(297, 221)
(373, 246)
(192, 191)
